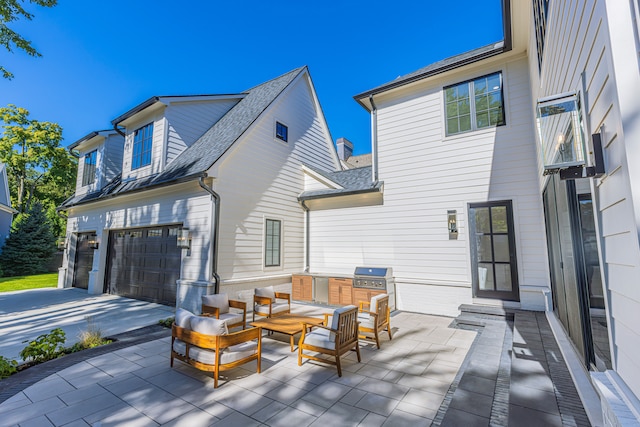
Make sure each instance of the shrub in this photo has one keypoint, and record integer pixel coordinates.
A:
(7, 367)
(45, 347)
(166, 322)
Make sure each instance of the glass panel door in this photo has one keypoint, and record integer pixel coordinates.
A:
(493, 251)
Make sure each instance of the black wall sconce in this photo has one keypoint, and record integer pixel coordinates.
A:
(62, 243)
(184, 238)
(92, 241)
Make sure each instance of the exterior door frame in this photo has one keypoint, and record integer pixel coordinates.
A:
(514, 294)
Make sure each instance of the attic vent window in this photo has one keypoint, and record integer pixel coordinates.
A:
(282, 132)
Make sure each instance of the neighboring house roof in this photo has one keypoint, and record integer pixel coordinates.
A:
(436, 68)
(202, 154)
(352, 181)
(358, 161)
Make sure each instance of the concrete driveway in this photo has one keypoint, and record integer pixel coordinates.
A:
(24, 315)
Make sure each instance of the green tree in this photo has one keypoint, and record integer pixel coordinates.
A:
(30, 245)
(10, 11)
(40, 170)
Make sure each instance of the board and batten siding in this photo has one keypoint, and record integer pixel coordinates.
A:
(188, 121)
(260, 179)
(578, 43)
(425, 174)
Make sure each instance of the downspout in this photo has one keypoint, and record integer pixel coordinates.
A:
(307, 256)
(115, 127)
(374, 140)
(215, 231)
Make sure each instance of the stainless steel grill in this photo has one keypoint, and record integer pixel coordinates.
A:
(376, 278)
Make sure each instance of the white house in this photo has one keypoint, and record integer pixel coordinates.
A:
(504, 175)
(6, 211)
(217, 173)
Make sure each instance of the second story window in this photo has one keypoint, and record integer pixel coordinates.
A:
(282, 132)
(142, 139)
(89, 168)
(474, 104)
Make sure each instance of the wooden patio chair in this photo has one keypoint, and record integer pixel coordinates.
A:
(218, 306)
(205, 344)
(334, 340)
(376, 319)
(265, 302)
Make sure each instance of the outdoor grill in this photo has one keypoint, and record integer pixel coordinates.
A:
(376, 278)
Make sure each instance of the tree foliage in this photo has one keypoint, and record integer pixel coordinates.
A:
(10, 11)
(30, 245)
(39, 169)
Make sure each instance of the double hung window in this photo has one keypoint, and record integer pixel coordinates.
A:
(474, 104)
(142, 140)
(282, 132)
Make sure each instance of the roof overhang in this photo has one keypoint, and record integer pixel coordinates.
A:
(337, 199)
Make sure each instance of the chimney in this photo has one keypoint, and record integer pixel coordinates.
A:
(345, 148)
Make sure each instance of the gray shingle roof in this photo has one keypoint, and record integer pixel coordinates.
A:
(352, 180)
(203, 153)
(437, 68)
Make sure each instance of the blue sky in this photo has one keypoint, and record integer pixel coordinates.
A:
(102, 58)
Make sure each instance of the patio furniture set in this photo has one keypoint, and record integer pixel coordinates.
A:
(206, 343)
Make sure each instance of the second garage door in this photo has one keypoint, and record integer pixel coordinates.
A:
(144, 263)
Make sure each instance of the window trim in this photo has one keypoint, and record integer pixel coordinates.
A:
(472, 105)
(140, 156)
(268, 250)
(278, 135)
(89, 178)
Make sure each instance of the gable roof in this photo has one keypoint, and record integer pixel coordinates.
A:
(194, 161)
(352, 181)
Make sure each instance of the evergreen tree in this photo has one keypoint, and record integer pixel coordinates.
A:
(30, 245)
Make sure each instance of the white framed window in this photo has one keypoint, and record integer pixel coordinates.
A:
(142, 144)
(272, 242)
(474, 104)
(282, 132)
(89, 168)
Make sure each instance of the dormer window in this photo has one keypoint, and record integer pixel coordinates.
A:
(282, 132)
(89, 168)
(142, 140)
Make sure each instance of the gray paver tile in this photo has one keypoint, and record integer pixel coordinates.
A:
(340, 414)
(477, 384)
(40, 421)
(269, 411)
(372, 420)
(195, 417)
(246, 402)
(425, 399)
(383, 388)
(50, 388)
(353, 396)
(474, 403)
(291, 417)
(401, 419)
(457, 418)
(236, 419)
(82, 408)
(17, 401)
(326, 394)
(420, 410)
(167, 411)
(286, 394)
(126, 417)
(422, 382)
(76, 396)
(526, 417)
(33, 410)
(533, 398)
(308, 407)
(378, 404)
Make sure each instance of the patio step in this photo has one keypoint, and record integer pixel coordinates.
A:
(485, 311)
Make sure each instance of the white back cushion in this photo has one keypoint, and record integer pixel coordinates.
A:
(209, 326)
(183, 318)
(268, 292)
(373, 307)
(221, 301)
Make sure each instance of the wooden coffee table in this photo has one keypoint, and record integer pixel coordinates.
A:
(289, 324)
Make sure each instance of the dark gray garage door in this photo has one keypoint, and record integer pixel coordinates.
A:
(83, 261)
(144, 263)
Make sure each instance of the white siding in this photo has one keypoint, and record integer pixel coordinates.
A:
(425, 174)
(190, 120)
(262, 178)
(578, 42)
(111, 164)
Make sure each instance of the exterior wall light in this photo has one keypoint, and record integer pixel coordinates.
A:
(92, 241)
(62, 243)
(452, 224)
(184, 238)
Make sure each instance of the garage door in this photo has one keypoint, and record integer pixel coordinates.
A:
(83, 261)
(144, 263)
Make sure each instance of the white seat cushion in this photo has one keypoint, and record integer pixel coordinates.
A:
(231, 318)
(366, 323)
(268, 292)
(183, 318)
(207, 356)
(221, 301)
(209, 326)
(278, 307)
(320, 337)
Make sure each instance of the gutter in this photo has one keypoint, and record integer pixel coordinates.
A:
(117, 129)
(214, 231)
(374, 140)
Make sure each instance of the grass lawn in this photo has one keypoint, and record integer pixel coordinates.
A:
(19, 283)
